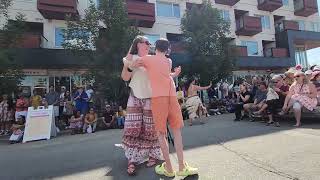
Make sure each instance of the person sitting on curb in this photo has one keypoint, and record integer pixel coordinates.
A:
(76, 122)
(90, 120)
(17, 130)
(108, 119)
(120, 116)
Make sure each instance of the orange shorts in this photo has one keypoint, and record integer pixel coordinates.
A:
(166, 109)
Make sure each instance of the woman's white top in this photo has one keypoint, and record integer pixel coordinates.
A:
(272, 94)
(139, 84)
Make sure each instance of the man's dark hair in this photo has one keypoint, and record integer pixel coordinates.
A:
(162, 45)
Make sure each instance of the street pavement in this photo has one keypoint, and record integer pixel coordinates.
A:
(222, 149)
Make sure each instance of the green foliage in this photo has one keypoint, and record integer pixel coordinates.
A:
(108, 32)
(205, 33)
(10, 36)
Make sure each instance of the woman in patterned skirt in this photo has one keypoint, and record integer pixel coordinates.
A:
(140, 140)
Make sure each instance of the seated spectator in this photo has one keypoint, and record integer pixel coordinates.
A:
(90, 120)
(273, 104)
(22, 105)
(17, 130)
(301, 94)
(290, 76)
(316, 81)
(108, 119)
(76, 122)
(120, 116)
(243, 97)
(259, 99)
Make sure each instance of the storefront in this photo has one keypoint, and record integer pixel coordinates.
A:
(41, 80)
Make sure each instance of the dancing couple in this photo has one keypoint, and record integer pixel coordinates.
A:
(152, 102)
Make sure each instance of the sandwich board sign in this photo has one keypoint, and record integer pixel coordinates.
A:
(40, 124)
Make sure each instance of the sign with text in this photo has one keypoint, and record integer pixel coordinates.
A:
(39, 124)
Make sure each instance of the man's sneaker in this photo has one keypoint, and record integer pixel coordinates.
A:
(1, 132)
(187, 171)
(160, 169)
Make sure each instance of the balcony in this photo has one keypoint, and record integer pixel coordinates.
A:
(248, 25)
(141, 13)
(287, 25)
(276, 52)
(238, 51)
(305, 7)
(269, 5)
(227, 2)
(58, 9)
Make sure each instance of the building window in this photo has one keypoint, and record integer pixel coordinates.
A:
(315, 26)
(252, 47)
(285, 2)
(98, 3)
(265, 21)
(168, 9)
(301, 25)
(59, 37)
(152, 38)
(225, 15)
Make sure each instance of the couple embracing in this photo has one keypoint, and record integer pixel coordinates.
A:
(152, 102)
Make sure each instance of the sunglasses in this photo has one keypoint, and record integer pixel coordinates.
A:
(146, 42)
(297, 76)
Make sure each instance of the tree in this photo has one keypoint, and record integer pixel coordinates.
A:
(204, 33)
(10, 35)
(104, 35)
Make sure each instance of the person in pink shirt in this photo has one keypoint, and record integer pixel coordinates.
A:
(165, 107)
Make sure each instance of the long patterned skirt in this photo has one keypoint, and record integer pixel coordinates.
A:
(140, 138)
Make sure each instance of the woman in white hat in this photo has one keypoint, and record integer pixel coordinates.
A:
(302, 93)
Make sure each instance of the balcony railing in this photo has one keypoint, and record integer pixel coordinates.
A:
(305, 7)
(227, 2)
(238, 51)
(58, 9)
(248, 25)
(276, 52)
(142, 14)
(269, 5)
(287, 25)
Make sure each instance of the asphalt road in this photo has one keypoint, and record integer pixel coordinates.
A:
(221, 148)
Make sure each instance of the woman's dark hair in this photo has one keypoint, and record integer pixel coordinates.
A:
(134, 47)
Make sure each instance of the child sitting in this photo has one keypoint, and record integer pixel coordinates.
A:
(17, 130)
(120, 116)
(76, 122)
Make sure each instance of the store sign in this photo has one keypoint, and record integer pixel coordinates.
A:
(40, 81)
(35, 72)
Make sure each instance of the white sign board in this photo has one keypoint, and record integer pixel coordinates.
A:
(40, 124)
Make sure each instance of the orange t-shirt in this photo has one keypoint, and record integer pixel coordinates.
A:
(158, 70)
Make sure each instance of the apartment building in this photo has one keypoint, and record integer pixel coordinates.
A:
(265, 34)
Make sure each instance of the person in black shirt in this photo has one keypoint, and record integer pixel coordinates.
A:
(243, 97)
(108, 118)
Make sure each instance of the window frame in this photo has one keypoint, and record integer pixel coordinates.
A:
(172, 9)
(245, 43)
(223, 13)
(263, 20)
(55, 36)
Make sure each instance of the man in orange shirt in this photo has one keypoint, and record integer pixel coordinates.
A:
(165, 107)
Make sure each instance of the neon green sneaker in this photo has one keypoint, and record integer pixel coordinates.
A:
(162, 171)
(187, 171)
